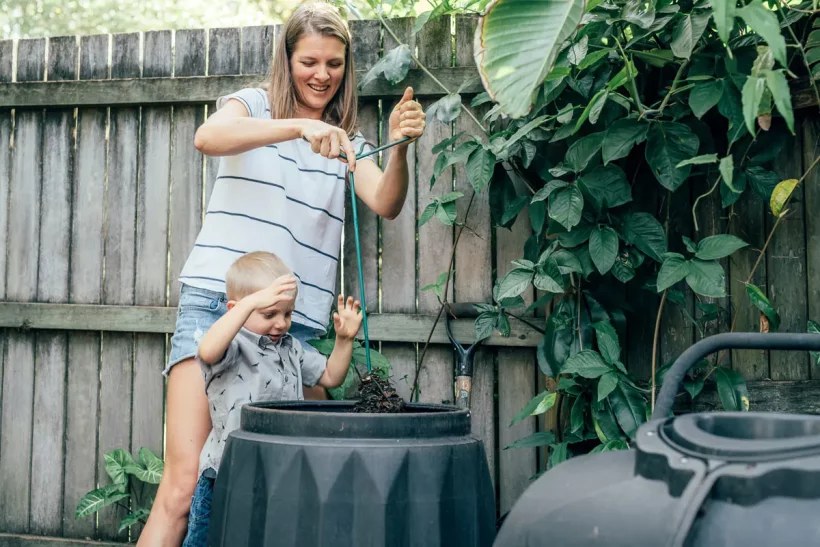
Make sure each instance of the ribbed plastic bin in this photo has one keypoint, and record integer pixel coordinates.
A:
(313, 474)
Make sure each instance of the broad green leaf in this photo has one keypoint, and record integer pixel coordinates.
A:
(540, 303)
(538, 214)
(719, 246)
(621, 137)
(764, 22)
(629, 408)
(752, 95)
(99, 498)
(610, 446)
(428, 213)
(593, 58)
(549, 188)
(593, 109)
(558, 454)
(514, 209)
(781, 195)
(727, 170)
(699, 160)
(516, 45)
(583, 150)
(154, 466)
(673, 270)
(622, 77)
(707, 278)
(481, 98)
(567, 262)
(537, 405)
(603, 248)
(484, 325)
(522, 132)
(446, 109)
(730, 107)
(438, 286)
(542, 438)
(635, 12)
(480, 167)
(687, 33)
(705, 96)
(668, 144)
(137, 517)
(397, 64)
(586, 363)
(576, 417)
(115, 463)
(446, 213)
(732, 389)
(693, 387)
(764, 305)
(446, 143)
(514, 283)
(606, 186)
(566, 206)
(606, 426)
(421, 20)
(548, 277)
(656, 57)
(578, 50)
(723, 12)
(606, 384)
(608, 344)
(646, 233)
(762, 181)
(814, 328)
(782, 96)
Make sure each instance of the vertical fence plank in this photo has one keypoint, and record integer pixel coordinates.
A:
(365, 53)
(82, 406)
(473, 276)
(749, 224)
(712, 220)
(186, 168)
(399, 241)
(516, 378)
(786, 259)
(435, 383)
(6, 47)
(224, 44)
(811, 150)
(257, 49)
(152, 248)
(21, 283)
(52, 346)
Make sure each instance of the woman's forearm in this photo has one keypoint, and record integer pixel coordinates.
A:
(391, 191)
(236, 135)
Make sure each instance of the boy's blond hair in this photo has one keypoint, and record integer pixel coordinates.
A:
(253, 272)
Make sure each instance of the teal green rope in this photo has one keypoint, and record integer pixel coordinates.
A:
(358, 245)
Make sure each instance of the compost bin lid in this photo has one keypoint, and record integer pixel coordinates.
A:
(336, 419)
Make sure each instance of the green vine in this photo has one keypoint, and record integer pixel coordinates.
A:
(689, 89)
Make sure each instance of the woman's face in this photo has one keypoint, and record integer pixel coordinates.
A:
(318, 68)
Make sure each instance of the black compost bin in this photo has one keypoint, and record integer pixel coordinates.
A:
(312, 474)
(712, 479)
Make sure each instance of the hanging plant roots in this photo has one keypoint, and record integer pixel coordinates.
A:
(378, 396)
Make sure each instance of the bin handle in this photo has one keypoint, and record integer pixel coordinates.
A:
(729, 340)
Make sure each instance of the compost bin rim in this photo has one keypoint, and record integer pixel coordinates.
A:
(310, 419)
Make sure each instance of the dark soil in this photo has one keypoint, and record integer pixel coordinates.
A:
(378, 396)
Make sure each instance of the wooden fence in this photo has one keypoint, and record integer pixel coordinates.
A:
(103, 194)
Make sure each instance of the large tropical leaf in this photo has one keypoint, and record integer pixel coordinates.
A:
(516, 44)
(99, 498)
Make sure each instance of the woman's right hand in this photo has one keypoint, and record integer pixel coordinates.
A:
(328, 140)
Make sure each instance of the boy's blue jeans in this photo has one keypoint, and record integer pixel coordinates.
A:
(200, 516)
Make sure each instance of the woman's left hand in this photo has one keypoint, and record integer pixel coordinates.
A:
(407, 118)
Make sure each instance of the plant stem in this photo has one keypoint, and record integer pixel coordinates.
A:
(700, 197)
(677, 79)
(443, 300)
(530, 325)
(580, 336)
(655, 346)
(633, 90)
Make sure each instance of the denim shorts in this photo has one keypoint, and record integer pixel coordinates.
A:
(198, 310)
(199, 519)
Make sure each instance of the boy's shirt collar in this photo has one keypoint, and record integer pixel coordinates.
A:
(263, 340)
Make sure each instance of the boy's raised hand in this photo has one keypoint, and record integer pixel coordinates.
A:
(347, 320)
(281, 290)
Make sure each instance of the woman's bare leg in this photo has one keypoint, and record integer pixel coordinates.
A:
(188, 424)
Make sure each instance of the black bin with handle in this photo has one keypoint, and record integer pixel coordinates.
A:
(311, 474)
(728, 479)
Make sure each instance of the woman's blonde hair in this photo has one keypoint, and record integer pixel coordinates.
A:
(322, 19)
(253, 272)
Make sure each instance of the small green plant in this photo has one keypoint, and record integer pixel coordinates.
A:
(131, 480)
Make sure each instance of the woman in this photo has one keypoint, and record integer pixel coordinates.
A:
(280, 188)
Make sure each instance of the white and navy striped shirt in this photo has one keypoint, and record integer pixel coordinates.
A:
(282, 198)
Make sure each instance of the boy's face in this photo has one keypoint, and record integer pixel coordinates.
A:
(273, 322)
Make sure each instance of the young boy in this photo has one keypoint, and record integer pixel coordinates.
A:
(248, 356)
